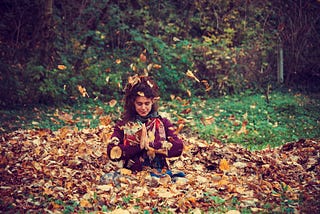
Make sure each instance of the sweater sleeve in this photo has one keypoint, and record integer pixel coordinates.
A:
(177, 143)
(116, 141)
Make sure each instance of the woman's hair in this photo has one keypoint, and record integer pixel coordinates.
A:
(139, 86)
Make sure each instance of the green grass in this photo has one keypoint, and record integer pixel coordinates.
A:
(287, 117)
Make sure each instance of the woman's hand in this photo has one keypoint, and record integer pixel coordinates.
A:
(144, 138)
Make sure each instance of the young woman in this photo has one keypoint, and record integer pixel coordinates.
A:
(142, 138)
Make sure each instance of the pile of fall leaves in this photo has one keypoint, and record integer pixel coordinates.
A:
(49, 171)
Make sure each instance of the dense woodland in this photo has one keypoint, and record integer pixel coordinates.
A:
(52, 50)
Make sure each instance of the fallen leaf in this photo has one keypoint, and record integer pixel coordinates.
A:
(224, 165)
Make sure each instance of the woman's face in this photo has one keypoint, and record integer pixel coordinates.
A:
(143, 105)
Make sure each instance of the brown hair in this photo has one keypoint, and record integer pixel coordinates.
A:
(139, 86)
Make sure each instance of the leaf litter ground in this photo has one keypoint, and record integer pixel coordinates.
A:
(50, 171)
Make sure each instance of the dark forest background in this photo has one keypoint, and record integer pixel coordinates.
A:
(53, 50)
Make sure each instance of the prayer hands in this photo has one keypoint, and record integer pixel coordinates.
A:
(144, 144)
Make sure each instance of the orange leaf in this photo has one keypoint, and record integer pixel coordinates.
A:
(83, 91)
(156, 66)
(62, 67)
(85, 203)
(180, 127)
(224, 165)
(125, 171)
(105, 120)
(143, 57)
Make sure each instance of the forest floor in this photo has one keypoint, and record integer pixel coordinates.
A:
(63, 168)
(65, 171)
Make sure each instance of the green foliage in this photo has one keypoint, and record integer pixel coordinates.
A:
(229, 45)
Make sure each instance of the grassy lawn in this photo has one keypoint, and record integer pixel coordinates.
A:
(246, 119)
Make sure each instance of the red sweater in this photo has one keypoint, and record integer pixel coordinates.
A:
(161, 136)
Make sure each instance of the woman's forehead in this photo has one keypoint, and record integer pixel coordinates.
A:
(143, 99)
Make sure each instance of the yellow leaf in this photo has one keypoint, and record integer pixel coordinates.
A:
(192, 76)
(224, 165)
(118, 61)
(140, 93)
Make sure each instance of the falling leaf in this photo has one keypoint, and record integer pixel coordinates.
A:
(143, 57)
(118, 61)
(178, 130)
(149, 67)
(175, 39)
(224, 165)
(133, 67)
(140, 93)
(189, 93)
(192, 76)
(82, 91)
(156, 66)
(62, 67)
(207, 85)
(112, 103)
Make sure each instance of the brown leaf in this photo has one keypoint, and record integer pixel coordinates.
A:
(112, 103)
